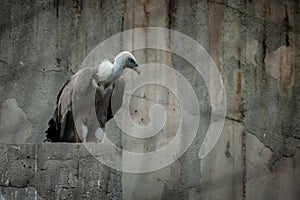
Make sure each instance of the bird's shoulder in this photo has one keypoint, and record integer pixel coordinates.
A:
(79, 82)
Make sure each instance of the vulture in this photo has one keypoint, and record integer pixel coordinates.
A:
(83, 105)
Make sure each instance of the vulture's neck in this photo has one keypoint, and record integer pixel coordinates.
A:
(117, 69)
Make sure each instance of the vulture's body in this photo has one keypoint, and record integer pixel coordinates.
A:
(83, 105)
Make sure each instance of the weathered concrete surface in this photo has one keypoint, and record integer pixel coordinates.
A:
(55, 171)
(255, 44)
(221, 171)
(68, 171)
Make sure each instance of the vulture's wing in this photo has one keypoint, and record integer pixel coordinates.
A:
(91, 103)
(116, 98)
(61, 125)
(82, 104)
(55, 123)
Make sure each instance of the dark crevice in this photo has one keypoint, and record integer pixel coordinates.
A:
(57, 8)
(107, 186)
(286, 23)
(101, 3)
(244, 175)
(264, 40)
(171, 10)
(234, 119)
(3, 61)
(9, 185)
(124, 11)
(264, 50)
(68, 188)
(122, 23)
(227, 152)
(264, 54)
(79, 4)
(78, 170)
(243, 109)
(78, 7)
(239, 60)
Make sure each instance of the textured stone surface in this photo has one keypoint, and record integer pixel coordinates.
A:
(55, 171)
(255, 44)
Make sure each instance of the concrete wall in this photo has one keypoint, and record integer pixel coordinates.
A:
(55, 171)
(255, 45)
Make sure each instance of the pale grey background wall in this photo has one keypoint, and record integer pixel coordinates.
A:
(255, 44)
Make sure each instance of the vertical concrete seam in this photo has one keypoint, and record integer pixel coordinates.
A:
(264, 42)
(124, 12)
(286, 23)
(244, 165)
(171, 12)
(57, 8)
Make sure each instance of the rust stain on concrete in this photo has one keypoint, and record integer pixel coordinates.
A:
(281, 66)
(145, 5)
(216, 32)
(237, 106)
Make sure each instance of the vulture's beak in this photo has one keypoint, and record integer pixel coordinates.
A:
(137, 70)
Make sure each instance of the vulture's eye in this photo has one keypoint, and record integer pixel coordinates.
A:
(130, 60)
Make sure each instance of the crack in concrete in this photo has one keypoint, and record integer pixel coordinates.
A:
(3, 61)
(171, 11)
(14, 186)
(44, 71)
(151, 100)
(234, 119)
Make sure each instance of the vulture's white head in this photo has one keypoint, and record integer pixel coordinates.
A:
(126, 59)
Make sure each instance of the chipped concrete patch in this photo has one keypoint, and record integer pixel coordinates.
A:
(15, 126)
(280, 183)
